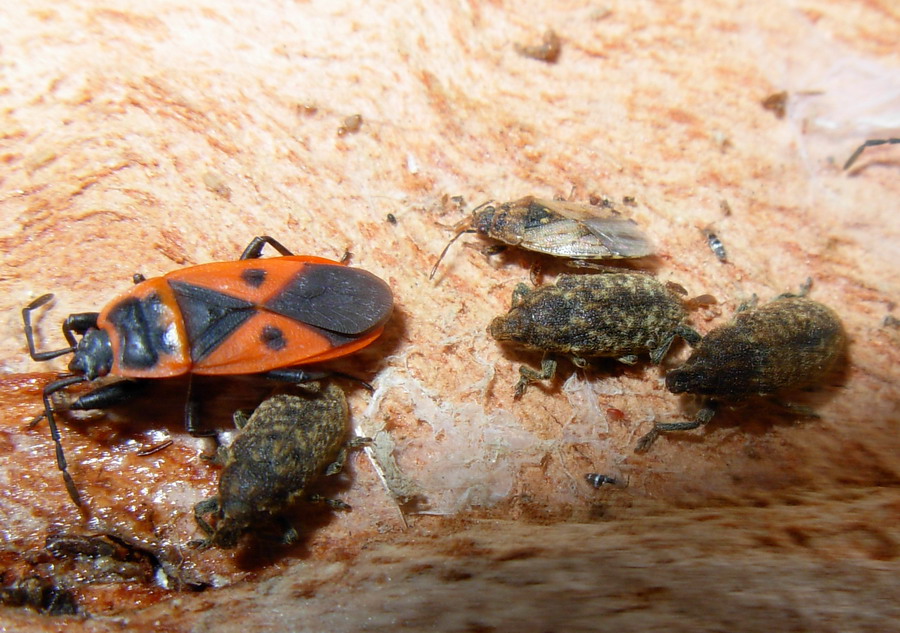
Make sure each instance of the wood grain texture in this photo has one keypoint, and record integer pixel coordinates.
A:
(143, 137)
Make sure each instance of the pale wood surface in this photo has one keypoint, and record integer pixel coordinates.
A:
(146, 137)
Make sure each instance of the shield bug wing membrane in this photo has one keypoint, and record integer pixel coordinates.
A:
(581, 232)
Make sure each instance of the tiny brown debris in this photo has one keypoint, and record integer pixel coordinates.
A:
(776, 103)
(547, 51)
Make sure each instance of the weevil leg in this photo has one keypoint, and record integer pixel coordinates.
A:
(536, 274)
(334, 504)
(749, 304)
(206, 506)
(338, 464)
(689, 334)
(703, 417)
(49, 390)
(289, 534)
(240, 419)
(519, 293)
(657, 354)
(528, 375)
(804, 290)
(256, 245)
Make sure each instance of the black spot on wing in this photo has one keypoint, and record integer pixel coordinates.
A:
(342, 300)
(209, 316)
(141, 326)
(254, 277)
(273, 338)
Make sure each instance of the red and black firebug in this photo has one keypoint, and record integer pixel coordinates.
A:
(251, 316)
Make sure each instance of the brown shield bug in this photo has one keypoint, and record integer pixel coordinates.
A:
(616, 315)
(788, 343)
(287, 442)
(555, 227)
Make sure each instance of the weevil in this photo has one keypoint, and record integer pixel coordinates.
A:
(786, 344)
(555, 227)
(284, 446)
(616, 315)
(870, 143)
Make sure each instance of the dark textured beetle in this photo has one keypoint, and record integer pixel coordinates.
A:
(555, 227)
(788, 343)
(615, 315)
(287, 442)
(251, 316)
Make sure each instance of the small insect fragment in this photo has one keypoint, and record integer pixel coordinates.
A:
(870, 143)
(615, 315)
(776, 103)
(547, 51)
(98, 558)
(555, 227)
(597, 480)
(39, 594)
(351, 125)
(788, 343)
(216, 183)
(285, 445)
(716, 245)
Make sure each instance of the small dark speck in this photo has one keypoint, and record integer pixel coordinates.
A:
(776, 103)
(392, 219)
(891, 321)
(629, 201)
